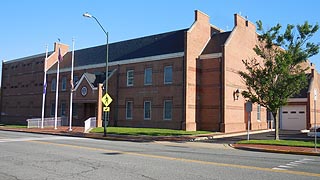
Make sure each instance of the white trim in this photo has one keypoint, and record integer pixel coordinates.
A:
(211, 56)
(26, 58)
(164, 74)
(230, 36)
(129, 71)
(298, 100)
(145, 76)
(204, 47)
(129, 118)
(81, 79)
(125, 61)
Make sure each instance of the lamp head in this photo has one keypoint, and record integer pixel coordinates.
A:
(236, 94)
(87, 15)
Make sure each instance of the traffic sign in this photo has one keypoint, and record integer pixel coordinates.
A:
(106, 99)
(106, 109)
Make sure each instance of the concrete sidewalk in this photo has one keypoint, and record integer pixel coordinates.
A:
(79, 132)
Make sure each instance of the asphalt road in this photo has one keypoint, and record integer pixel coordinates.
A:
(34, 156)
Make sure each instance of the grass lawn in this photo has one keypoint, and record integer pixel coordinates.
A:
(281, 142)
(147, 131)
(13, 126)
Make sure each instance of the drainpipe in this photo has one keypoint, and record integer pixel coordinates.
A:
(117, 98)
(183, 109)
(1, 92)
(221, 92)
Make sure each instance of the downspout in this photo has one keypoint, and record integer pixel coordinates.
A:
(1, 92)
(183, 105)
(221, 113)
(117, 98)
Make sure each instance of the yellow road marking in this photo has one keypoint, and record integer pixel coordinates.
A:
(183, 159)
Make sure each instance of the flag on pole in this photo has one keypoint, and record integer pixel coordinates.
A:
(60, 58)
(45, 87)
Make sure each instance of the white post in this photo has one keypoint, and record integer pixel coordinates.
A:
(44, 87)
(57, 93)
(72, 86)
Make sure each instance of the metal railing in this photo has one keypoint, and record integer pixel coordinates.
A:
(89, 124)
(47, 122)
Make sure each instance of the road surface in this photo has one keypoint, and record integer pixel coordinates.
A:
(34, 156)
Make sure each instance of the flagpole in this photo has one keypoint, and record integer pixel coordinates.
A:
(57, 92)
(44, 87)
(72, 86)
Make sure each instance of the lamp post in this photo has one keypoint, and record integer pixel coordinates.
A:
(107, 59)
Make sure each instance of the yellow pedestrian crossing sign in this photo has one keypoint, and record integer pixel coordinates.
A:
(106, 99)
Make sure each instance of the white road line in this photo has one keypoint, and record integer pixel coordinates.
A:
(283, 166)
(293, 164)
(279, 169)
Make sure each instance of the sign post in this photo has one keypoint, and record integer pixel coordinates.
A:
(248, 110)
(106, 100)
(315, 119)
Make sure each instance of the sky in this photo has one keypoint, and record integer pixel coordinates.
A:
(28, 26)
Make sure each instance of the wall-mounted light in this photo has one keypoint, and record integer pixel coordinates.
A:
(236, 94)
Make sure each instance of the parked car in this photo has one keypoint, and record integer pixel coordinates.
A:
(311, 132)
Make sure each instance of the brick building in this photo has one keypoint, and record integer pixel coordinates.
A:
(184, 79)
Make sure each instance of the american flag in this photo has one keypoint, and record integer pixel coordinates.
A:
(60, 58)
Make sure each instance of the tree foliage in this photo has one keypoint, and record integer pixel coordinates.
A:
(276, 73)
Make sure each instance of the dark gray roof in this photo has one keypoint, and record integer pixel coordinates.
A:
(165, 43)
(216, 42)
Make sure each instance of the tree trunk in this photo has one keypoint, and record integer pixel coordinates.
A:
(276, 120)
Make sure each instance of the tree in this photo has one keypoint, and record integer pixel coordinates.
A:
(276, 73)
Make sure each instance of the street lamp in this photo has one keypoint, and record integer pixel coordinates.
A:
(107, 59)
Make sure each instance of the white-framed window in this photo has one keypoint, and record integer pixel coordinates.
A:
(130, 77)
(64, 84)
(259, 112)
(129, 108)
(63, 108)
(53, 84)
(148, 76)
(147, 110)
(167, 74)
(52, 109)
(167, 110)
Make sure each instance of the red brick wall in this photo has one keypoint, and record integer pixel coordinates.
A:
(238, 47)
(208, 94)
(196, 39)
(22, 85)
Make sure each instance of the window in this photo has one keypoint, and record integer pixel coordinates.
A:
(167, 110)
(64, 84)
(52, 109)
(148, 76)
(130, 78)
(53, 84)
(63, 108)
(147, 110)
(129, 107)
(258, 112)
(168, 75)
